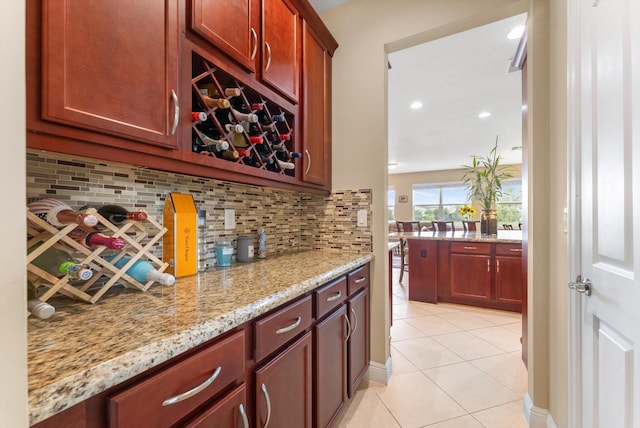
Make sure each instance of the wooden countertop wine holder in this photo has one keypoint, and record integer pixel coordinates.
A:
(140, 238)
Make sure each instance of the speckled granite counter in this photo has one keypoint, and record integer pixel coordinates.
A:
(504, 236)
(85, 349)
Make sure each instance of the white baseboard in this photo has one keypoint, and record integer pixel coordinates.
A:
(380, 373)
(536, 417)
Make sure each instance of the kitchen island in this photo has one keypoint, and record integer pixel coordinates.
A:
(467, 268)
(86, 349)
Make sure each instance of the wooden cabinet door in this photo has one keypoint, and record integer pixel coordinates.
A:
(423, 270)
(112, 67)
(229, 411)
(316, 97)
(283, 387)
(330, 369)
(510, 283)
(358, 345)
(279, 60)
(471, 276)
(228, 25)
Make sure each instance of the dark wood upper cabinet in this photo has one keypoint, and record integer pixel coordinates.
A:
(112, 67)
(230, 26)
(280, 57)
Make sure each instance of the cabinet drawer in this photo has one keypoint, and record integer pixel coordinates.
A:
(509, 250)
(195, 379)
(330, 296)
(470, 247)
(230, 411)
(358, 279)
(278, 328)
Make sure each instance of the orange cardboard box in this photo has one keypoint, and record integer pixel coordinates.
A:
(179, 244)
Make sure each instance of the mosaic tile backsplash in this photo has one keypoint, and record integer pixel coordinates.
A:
(293, 221)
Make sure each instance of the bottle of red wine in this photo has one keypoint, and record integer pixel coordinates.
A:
(90, 237)
(117, 214)
(58, 213)
(198, 116)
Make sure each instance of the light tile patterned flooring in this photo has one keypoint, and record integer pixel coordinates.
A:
(454, 366)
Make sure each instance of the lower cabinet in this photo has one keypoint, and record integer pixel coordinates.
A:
(283, 387)
(229, 411)
(330, 373)
(358, 342)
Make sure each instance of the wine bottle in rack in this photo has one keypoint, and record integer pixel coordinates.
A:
(214, 145)
(60, 263)
(249, 158)
(37, 307)
(238, 104)
(143, 271)
(235, 115)
(117, 214)
(90, 238)
(239, 140)
(198, 116)
(285, 165)
(217, 103)
(270, 164)
(230, 155)
(58, 213)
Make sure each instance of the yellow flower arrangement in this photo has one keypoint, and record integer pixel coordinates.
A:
(467, 211)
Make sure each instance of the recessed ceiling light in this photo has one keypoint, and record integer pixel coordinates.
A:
(416, 105)
(484, 114)
(516, 32)
(393, 165)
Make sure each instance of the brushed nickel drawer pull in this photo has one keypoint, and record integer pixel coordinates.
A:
(346, 317)
(243, 416)
(268, 400)
(266, 67)
(254, 37)
(181, 397)
(470, 248)
(488, 266)
(176, 112)
(335, 297)
(306, 171)
(291, 327)
(516, 250)
(355, 321)
(359, 280)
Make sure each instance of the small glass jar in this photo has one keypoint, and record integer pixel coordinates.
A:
(245, 249)
(224, 251)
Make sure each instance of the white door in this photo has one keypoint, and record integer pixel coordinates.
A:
(604, 127)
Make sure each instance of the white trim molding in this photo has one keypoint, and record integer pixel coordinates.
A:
(536, 417)
(380, 373)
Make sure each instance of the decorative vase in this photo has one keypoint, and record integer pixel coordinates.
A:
(489, 222)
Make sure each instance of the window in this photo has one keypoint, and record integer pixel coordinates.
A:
(438, 201)
(509, 206)
(391, 204)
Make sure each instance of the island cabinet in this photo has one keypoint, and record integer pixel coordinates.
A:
(115, 81)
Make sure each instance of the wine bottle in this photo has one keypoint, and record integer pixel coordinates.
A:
(143, 271)
(230, 155)
(236, 116)
(270, 163)
(217, 103)
(232, 92)
(117, 214)
(89, 237)
(215, 145)
(58, 213)
(239, 140)
(198, 116)
(286, 165)
(249, 158)
(278, 117)
(37, 307)
(59, 263)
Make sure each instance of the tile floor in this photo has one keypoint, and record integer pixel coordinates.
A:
(453, 366)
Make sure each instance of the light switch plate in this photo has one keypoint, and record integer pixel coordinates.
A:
(229, 219)
(362, 218)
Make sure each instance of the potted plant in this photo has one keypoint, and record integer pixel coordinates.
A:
(484, 179)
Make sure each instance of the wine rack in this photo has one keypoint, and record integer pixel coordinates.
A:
(140, 237)
(266, 144)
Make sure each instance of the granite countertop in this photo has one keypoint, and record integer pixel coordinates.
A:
(85, 349)
(503, 237)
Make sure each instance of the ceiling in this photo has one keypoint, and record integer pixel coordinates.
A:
(455, 78)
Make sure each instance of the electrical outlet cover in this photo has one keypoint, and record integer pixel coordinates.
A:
(229, 219)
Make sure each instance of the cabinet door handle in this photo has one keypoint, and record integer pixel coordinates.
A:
(355, 321)
(243, 416)
(517, 250)
(268, 401)
(359, 280)
(266, 67)
(306, 171)
(254, 37)
(176, 112)
(470, 248)
(348, 328)
(335, 297)
(295, 324)
(497, 265)
(181, 397)
(488, 266)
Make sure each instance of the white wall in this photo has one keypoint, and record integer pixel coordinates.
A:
(366, 31)
(13, 328)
